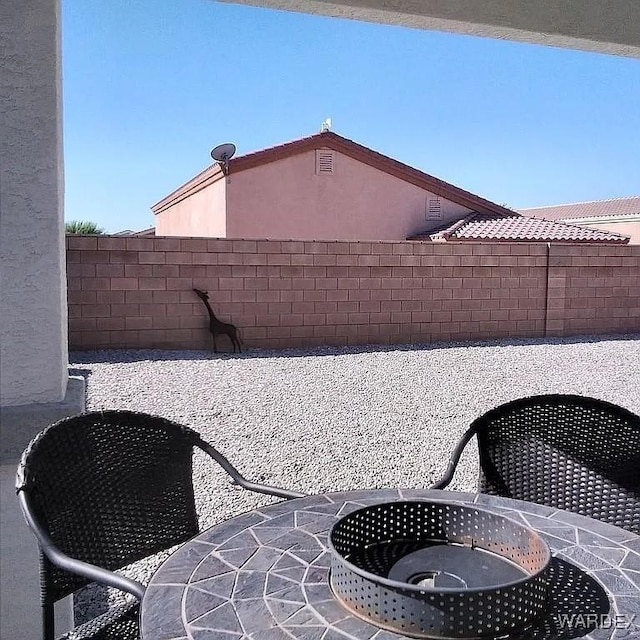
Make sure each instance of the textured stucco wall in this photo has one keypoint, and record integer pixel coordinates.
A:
(606, 26)
(201, 214)
(287, 200)
(33, 322)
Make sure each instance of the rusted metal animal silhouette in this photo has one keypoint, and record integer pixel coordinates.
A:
(217, 327)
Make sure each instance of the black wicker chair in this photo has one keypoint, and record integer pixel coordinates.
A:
(102, 490)
(563, 451)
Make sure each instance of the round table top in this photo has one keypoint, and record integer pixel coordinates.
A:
(264, 574)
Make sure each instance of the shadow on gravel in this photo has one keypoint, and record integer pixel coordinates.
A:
(137, 355)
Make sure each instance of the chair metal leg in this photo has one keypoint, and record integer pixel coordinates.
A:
(48, 621)
(46, 603)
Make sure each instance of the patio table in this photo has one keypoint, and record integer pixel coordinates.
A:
(263, 575)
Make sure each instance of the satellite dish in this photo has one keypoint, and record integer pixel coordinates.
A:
(223, 153)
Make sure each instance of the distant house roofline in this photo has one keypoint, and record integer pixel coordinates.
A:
(331, 140)
(581, 202)
(611, 208)
(149, 231)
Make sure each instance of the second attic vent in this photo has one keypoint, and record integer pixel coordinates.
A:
(324, 162)
(434, 209)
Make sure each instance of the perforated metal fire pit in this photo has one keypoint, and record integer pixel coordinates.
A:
(438, 570)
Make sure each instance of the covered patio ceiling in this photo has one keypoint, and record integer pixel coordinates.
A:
(604, 26)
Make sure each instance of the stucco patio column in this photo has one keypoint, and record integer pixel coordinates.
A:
(34, 383)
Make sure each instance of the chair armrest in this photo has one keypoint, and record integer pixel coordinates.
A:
(241, 480)
(78, 567)
(445, 480)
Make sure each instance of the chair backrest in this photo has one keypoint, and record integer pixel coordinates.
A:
(109, 488)
(564, 451)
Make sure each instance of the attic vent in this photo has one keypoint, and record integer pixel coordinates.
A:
(324, 162)
(434, 211)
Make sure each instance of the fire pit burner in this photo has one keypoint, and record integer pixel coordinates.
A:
(438, 570)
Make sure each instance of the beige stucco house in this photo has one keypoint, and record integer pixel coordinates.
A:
(327, 187)
(322, 187)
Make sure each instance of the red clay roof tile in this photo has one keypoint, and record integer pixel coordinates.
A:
(517, 228)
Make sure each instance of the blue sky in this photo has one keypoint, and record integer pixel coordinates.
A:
(149, 87)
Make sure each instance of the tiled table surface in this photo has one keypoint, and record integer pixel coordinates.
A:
(263, 575)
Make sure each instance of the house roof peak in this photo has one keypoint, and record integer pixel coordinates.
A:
(347, 147)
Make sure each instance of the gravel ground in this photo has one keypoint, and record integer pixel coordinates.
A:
(331, 419)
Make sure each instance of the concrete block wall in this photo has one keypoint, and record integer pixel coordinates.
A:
(593, 289)
(137, 292)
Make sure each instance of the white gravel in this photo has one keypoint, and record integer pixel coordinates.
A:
(340, 418)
